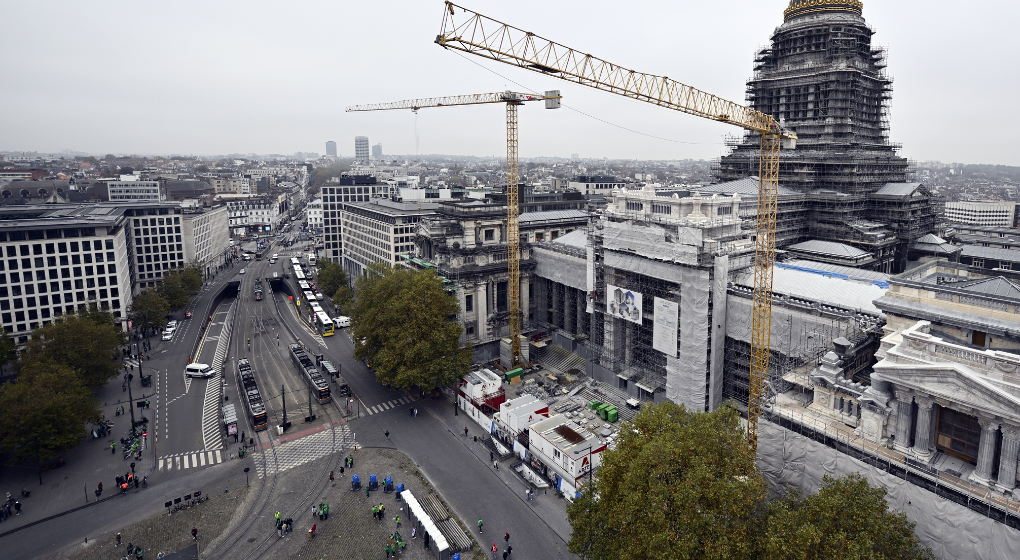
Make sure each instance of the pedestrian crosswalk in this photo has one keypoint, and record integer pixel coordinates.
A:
(211, 434)
(190, 460)
(295, 453)
(387, 405)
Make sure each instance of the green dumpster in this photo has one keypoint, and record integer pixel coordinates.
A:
(510, 375)
(594, 405)
(613, 415)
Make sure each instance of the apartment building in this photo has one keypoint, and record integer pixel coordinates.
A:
(590, 185)
(314, 215)
(135, 191)
(203, 233)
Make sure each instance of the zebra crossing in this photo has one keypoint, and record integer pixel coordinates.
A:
(212, 437)
(386, 405)
(190, 460)
(295, 453)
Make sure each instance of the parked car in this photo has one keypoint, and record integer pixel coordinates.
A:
(242, 271)
(168, 334)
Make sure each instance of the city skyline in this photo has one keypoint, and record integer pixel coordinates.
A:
(155, 111)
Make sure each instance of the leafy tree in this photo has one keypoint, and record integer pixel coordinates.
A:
(149, 309)
(83, 342)
(92, 160)
(343, 298)
(679, 484)
(8, 350)
(44, 411)
(404, 316)
(126, 170)
(202, 169)
(847, 518)
(331, 276)
(179, 284)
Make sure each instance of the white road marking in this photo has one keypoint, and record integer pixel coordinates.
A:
(219, 459)
(202, 457)
(185, 461)
(161, 464)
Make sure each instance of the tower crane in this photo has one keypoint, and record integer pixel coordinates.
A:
(512, 100)
(468, 31)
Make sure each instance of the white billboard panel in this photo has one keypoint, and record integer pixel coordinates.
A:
(623, 303)
(667, 321)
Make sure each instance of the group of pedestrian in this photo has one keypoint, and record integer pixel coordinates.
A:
(395, 544)
(133, 551)
(414, 412)
(10, 507)
(349, 462)
(125, 482)
(322, 511)
(508, 550)
(379, 512)
(284, 526)
(529, 493)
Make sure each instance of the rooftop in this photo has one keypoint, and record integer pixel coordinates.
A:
(745, 186)
(826, 289)
(829, 249)
(1009, 255)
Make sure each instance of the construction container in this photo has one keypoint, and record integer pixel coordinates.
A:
(594, 405)
(510, 375)
(602, 410)
(613, 415)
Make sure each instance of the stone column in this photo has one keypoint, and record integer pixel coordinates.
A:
(1007, 460)
(568, 304)
(986, 452)
(904, 415)
(582, 304)
(481, 302)
(525, 300)
(923, 434)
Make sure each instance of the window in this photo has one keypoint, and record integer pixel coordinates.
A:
(979, 263)
(635, 206)
(490, 235)
(977, 338)
(469, 303)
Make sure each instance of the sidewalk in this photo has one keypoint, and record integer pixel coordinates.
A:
(91, 462)
(552, 510)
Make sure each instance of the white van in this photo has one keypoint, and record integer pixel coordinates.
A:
(342, 322)
(199, 370)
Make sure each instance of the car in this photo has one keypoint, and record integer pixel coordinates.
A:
(171, 324)
(319, 296)
(275, 255)
(242, 271)
(168, 334)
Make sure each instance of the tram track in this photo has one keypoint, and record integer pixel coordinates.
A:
(265, 352)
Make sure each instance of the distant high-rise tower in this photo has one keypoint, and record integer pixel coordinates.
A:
(361, 148)
(331, 148)
(822, 77)
(377, 151)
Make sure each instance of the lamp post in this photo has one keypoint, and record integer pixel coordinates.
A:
(577, 451)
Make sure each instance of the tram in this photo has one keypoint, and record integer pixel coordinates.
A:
(254, 407)
(305, 366)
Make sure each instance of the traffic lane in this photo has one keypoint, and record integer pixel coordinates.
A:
(470, 487)
(340, 351)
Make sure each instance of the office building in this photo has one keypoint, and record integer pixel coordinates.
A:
(361, 148)
(380, 230)
(331, 148)
(204, 238)
(347, 188)
(377, 151)
(590, 185)
(135, 191)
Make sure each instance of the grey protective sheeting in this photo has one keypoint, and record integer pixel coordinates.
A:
(718, 325)
(951, 530)
(560, 268)
(647, 267)
(793, 333)
(649, 242)
(688, 386)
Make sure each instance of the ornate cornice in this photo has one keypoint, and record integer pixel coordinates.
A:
(803, 7)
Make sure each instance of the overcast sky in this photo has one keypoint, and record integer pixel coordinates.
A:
(274, 77)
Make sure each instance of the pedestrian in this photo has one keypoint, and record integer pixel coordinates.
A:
(136, 483)
(146, 403)
(495, 465)
(387, 434)
(375, 512)
(414, 530)
(235, 437)
(17, 508)
(118, 540)
(465, 431)
(331, 476)
(341, 472)
(366, 491)
(242, 436)
(491, 457)
(194, 534)
(506, 537)
(100, 487)
(352, 461)
(504, 555)
(494, 549)
(480, 523)
(382, 511)
(311, 532)
(113, 448)
(387, 550)
(510, 551)
(345, 461)
(398, 522)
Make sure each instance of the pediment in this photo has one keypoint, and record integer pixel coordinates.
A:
(955, 383)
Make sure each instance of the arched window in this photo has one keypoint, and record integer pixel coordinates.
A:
(42, 193)
(24, 193)
(6, 193)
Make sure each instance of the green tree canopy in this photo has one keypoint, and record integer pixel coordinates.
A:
(679, 484)
(179, 284)
(331, 276)
(149, 309)
(404, 317)
(847, 518)
(85, 342)
(44, 411)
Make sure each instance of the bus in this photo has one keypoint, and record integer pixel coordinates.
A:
(327, 323)
(309, 297)
(317, 383)
(254, 407)
(294, 261)
(258, 255)
(304, 286)
(299, 274)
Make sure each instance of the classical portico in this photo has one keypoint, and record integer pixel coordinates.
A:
(951, 399)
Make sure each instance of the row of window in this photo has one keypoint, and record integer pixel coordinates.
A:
(76, 271)
(65, 285)
(20, 317)
(32, 235)
(41, 301)
(54, 248)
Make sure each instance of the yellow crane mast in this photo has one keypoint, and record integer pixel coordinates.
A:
(513, 245)
(471, 32)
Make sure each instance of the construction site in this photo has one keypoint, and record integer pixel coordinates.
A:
(779, 290)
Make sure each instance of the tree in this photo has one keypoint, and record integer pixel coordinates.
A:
(847, 518)
(679, 484)
(404, 317)
(331, 276)
(44, 411)
(149, 309)
(202, 169)
(84, 342)
(179, 284)
(126, 170)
